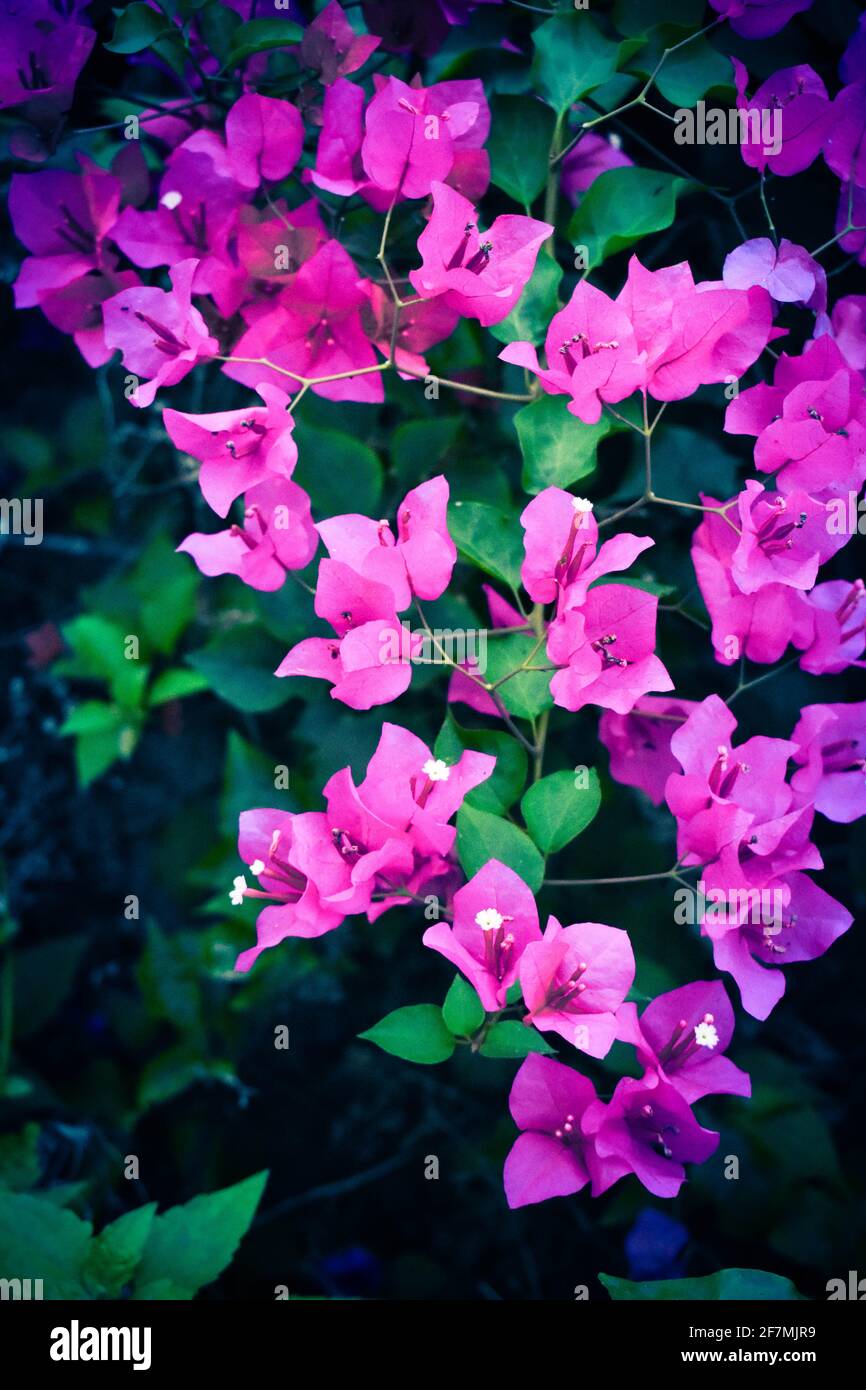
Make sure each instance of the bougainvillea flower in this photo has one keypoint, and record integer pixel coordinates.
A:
(42, 51)
(783, 539)
(847, 326)
(369, 665)
(338, 168)
(724, 793)
(64, 220)
(692, 334)
(76, 309)
(562, 557)
(420, 326)
(393, 829)
(495, 919)
(838, 613)
(237, 448)
(273, 243)
(412, 133)
(681, 1037)
(277, 536)
(264, 139)
(805, 924)
(160, 334)
(547, 1159)
(811, 423)
(591, 352)
(482, 276)
(758, 626)
(646, 1130)
(758, 19)
(419, 560)
(797, 99)
(639, 743)
(831, 749)
(787, 272)
(298, 869)
(844, 147)
(575, 979)
(331, 48)
(607, 650)
(314, 329)
(593, 154)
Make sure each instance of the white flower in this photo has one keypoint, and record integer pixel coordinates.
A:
(706, 1035)
(172, 199)
(488, 919)
(236, 896)
(436, 770)
(257, 867)
(581, 504)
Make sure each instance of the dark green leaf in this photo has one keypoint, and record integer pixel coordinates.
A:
(519, 146)
(416, 1033)
(531, 315)
(260, 34)
(557, 448)
(239, 665)
(190, 1246)
(487, 538)
(557, 808)
(136, 28)
(481, 837)
(621, 206)
(572, 57)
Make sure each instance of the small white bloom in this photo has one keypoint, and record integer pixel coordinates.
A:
(488, 919)
(236, 896)
(436, 770)
(581, 504)
(257, 867)
(172, 199)
(706, 1035)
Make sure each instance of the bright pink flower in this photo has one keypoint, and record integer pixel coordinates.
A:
(681, 1037)
(561, 547)
(160, 334)
(811, 423)
(547, 1103)
(298, 868)
(847, 326)
(41, 56)
(758, 19)
(338, 167)
(797, 99)
(575, 979)
(639, 743)
(844, 147)
(370, 665)
(64, 220)
(691, 334)
(495, 919)
(758, 626)
(481, 276)
(264, 139)
(331, 48)
(421, 326)
(801, 924)
(591, 351)
(592, 155)
(831, 749)
(237, 448)
(783, 539)
(607, 650)
(787, 272)
(838, 613)
(277, 536)
(273, 243)
(413, 134)
(313, 329)
(419, 560)
(646, 1130)
(726, 795)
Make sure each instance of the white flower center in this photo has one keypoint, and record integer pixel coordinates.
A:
(436, 770)
(257, 867)
(488, 919)
(236, 896)
(706, 1035)
(172, 199)
(581, 504)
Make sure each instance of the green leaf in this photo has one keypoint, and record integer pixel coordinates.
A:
(416, 1033)
(260, 34)
(44, 976)
(519, 145)
(39, 1240)
(190, 1246)
(249, 781)
(525, 695)
(572, 57)
(333, 466)
(692, 73)
(556, 810)
(115, 1253)
(510, 1038)
(462, 1011)
(488, 538)
(621, 206)
(239, 665)
(481, 837)
(91, 717)
(136, 28)
(95, 753)
(98, 646)
(637, 18)
(750, 1285)
(20, 1166)
(420, 448)
(557, 448)
(175, 685)
(504, 786)
(531, 315)
(166, 586)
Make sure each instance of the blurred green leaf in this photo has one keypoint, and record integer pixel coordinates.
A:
(190, 1246)
(748, 1285)
(239, 665)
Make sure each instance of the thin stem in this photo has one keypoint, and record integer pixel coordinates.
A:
(792, 661)
(593, 882)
